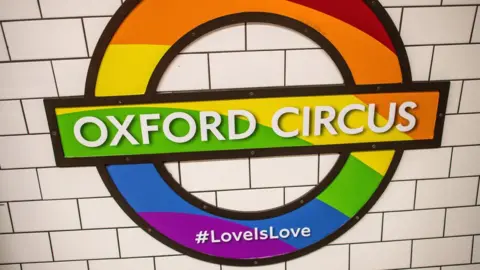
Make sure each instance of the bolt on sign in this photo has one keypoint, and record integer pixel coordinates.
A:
(128, 130)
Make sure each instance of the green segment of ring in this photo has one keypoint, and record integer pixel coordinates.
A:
(264, 137)
(352, 188)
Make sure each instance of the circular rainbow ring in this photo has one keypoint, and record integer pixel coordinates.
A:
(126, 64)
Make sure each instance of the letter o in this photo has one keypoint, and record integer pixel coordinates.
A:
(284, 233)
(179, 115)
(77, 131)
(226, 237)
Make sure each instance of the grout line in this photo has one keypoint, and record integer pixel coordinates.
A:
(473, 246)
(445, 222)
(43, 60)
(59, 199)
(473, 26)
(154, 264)
(349, 256)
(118, 244)
(216, 199)
(79, 215)
(285, 68)
(6, 44)
(451, 161)
(39, 186)
(10, 215)
(415, 195)
(179, 174)
(431, 64)
(40, 9)
(209, 72)
(55, 78)
(478, 190)
(381, 230)
(51, 246)
(460, 99)
(284, 195)
(85, 36)
(88, 264)
(401, 20)
(411, 253)
(24, 116)
(249, 173)
(246, 38)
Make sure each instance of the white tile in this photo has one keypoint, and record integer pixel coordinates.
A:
(388, 255)
(284, 171)
(61, 183)
(476, 249)
(186, 72)
(247, 69)
(443, 251)
(420, 58)
(208, 197)
(45, 215)
(456, 62)
(398, 196)
(465, 161)
(462, 267)
(463, 221)
(19, 185)
(388, 3)
(56, 266)
(214, 175)
(183, 263)
(103, 213)
(66, 8)
(35, 115)
(258, 199)
(429, 26)
(460, 2)
(137, 243)
(18, 9)
(174, 169)
(368, 229)
(311, 67)
(293, 193)
(413, 224)
(454, 96)
(446, 192)
(3, 46)
(45, 39)
(10, 267)
(5, 224)
(227, 38)
(425, 163)
(329, 257)
(396, 15)
(265, 36)
(470, 96)
(93, 30)
(11, 118)
(125, 264)
(26, 80)
(71, 76)
(327, 162)
(26, 151)
(79, 245)
(25, 247)
(460, 130)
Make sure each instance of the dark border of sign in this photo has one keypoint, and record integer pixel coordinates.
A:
(100, 49)
(258, 93)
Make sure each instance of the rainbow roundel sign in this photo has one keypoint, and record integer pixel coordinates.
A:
(128, 130)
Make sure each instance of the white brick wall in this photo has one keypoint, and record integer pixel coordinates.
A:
(64, 218)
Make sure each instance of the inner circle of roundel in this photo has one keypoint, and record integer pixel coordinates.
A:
(134, 51)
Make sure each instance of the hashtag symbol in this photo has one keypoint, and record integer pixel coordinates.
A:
(202, 237)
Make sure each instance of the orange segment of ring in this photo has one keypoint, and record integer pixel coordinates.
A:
(368, 59)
